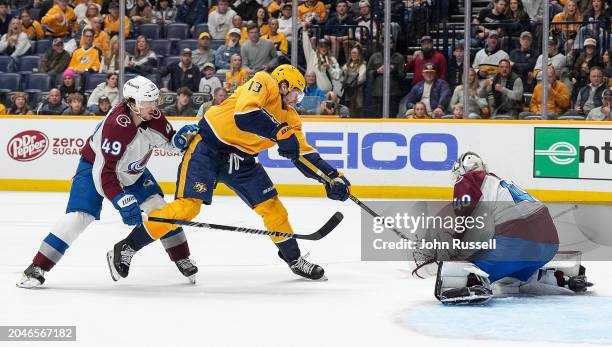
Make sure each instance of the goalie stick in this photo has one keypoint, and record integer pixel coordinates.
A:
(317, 235)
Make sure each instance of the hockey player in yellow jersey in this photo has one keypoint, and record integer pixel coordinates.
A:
(258, 116)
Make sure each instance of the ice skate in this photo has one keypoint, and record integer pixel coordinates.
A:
(119, 259)
(188, 268)
(32, 277)
(306, 269)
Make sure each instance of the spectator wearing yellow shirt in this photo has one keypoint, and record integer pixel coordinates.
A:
(2, 108)
(31, 27)
(567, 32)
(312, 12)
(86, 58)
(274, 8)
(238, 24)
(237, 75)
(111, 20)
(101, 38)
(59, 20)
(278, 39)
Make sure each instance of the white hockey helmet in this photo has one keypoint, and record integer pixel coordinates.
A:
(468, 161)
(141, 90)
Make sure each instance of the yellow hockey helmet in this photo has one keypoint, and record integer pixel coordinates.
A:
(291, 74)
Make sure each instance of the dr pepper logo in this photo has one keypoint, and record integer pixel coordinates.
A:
(27, 145)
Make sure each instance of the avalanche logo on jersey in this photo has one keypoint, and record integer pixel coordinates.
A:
(123, 120)
(137, 167)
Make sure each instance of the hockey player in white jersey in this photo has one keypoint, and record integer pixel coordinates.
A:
(525, 241)
(113, 166)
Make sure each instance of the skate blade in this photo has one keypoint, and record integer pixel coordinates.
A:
(192, 279)
(29, 283)
(468, 300)
(111, 267)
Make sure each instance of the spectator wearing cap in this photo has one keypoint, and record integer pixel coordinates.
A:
(558, 97)
(601, 113)
(104, 106)
(55, 59)
(278, 39)
(53, 105)
(106, 90)
(427, 54)
(579, 73)
(20, 105)
(433, 92)
(237, 75)
(165, 12)
(111, 20)
(75, 106)
(506, 89)
(226, 51)
(86, 58)
(237, 23)
(555, 58)
(203, 54)
(285, 22)
(220, 20)
(183, 73)
(454, 76)
(487, 60)
(59, 20)
(257, 53)
(312, 12)
(209, 81)
(219, 95)
(321, 61)
(589, 96)
(337, 30)
(31, 27)
(375, 70)
(524, 60)
(365, 20)
(192, 12)
(183, 106)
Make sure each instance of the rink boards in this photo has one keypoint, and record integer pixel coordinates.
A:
(557, 161)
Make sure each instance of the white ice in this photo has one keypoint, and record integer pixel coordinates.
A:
(246, 296)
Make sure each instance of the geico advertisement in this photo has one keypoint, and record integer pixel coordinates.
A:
(369, 153)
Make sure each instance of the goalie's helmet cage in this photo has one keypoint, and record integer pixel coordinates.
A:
(468, 161)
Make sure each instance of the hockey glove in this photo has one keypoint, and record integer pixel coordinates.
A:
(338, 189)
(183, 136)
(288, 145)
(128, 208)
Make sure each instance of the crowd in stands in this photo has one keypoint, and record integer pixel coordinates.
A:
(61, 57)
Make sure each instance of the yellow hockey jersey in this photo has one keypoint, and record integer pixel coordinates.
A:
(259, 93)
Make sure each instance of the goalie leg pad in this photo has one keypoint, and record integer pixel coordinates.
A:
(462, 283)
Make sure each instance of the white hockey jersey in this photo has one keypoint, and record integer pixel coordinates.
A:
(119, 150)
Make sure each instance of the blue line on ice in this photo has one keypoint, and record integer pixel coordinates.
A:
(569, 319)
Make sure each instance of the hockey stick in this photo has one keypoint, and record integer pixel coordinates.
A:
(351, 196)
(317, 235)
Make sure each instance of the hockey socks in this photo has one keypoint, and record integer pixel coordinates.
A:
(288, 250)
(50, 252)
(175, 243)
(138, 238)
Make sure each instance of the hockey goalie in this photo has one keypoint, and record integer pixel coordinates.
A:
(523, 233)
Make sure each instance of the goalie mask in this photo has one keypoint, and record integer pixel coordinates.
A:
(468, 161)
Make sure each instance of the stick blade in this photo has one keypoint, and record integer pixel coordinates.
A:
(327, 228)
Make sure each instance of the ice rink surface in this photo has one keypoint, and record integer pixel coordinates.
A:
(245, 296)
